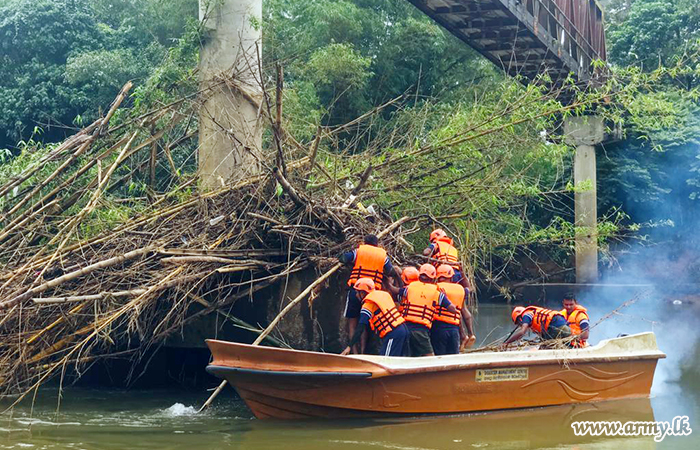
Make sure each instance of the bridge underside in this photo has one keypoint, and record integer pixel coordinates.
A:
(527, 37)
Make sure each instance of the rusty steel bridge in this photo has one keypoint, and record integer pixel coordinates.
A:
(527, 37)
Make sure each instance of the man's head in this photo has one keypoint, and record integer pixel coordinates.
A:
(409, 275)
(438, 235)
(516, 314)
(372, 239)
(363, 286)
(445, 273)
(569, 302)
(427, 273)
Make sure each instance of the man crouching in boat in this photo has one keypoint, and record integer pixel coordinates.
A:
(447, 334)
(548, 324)
(577, 318)
(418, 303)
(380, 313)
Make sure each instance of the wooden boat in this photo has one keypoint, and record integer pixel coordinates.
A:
(291, 384)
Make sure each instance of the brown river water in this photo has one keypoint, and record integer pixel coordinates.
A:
(166, 419)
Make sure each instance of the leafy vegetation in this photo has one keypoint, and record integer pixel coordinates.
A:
(652, 173)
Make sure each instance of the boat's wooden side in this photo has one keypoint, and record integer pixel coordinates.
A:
(289, 384)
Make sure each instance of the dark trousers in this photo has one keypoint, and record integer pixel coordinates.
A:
(395, 342)
(445, 338)
(559, 332)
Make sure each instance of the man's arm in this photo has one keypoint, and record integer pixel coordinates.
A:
(397, 277)
(518, 334)
(584, 329)
(467, 320)
(392, 272)
(347, 258)
(391, 288)
(445, 303)
(362, 325)
(428, 251)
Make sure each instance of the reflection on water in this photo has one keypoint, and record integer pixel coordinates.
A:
(98, 419)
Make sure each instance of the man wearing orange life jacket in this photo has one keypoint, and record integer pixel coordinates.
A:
(577, 318)
(447, 332)
(368, 261)
(418, 303)
(442, 251)
(379, 313)
(547, 323)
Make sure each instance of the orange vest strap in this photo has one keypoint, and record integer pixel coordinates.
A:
(541, 318)
(387, 318)
(419, 304)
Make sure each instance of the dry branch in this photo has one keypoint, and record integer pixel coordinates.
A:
(73, 275)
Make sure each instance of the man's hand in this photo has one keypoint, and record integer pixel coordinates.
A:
(346, 351)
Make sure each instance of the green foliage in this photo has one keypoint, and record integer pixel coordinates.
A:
(389, 46)
(99, 74)
(652, 32)
(651, 174)
(340, 75)
(64, 59)
(36, 39)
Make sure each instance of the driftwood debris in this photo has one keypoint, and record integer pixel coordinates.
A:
(202, 251)
(320, 280)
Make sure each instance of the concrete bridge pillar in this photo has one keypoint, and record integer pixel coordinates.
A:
(585, 133)
(230, 130)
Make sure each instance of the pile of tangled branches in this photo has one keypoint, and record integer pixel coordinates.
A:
(71, 295)
(85, 277)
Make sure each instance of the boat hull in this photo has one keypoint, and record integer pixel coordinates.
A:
(330, 386)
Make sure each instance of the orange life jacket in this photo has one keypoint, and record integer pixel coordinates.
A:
(369, 263)
(418, 306)
(574, 320)
(541, 318)
(386, 318)
(456, 295)
(446, 253)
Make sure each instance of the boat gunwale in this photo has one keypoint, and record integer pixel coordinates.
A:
(391, 371)
(214, 368)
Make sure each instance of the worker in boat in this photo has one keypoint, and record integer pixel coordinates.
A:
(369, 260)
(379, 312)
(418, 303)
(441, 251)
(547, 323)
(447, 333)
(577, 318)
